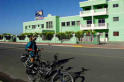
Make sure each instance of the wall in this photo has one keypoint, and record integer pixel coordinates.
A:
(39, 22)
(74, 28)
(116, 25)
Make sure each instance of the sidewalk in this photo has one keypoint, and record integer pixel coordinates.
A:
(117, 45)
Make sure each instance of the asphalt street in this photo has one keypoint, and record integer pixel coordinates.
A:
(104, 65)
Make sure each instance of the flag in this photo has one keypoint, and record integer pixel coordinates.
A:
(39, 13)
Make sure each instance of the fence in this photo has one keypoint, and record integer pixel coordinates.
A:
(93, 39)
(74, 40)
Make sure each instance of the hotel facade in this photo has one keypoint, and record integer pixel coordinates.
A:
(106, 17)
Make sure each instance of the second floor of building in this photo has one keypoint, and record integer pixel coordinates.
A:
(74, 23)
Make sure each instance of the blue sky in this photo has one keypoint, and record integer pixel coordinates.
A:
(14, 12)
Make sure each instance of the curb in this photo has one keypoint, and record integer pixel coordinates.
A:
(78, 46)
(70, 45)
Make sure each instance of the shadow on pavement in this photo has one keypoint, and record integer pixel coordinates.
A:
(79, 75)
(6, 78)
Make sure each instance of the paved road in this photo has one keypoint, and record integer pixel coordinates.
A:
(104, 65)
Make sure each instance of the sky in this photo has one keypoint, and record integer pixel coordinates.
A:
(14, 12)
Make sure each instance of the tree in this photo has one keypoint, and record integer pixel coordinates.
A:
(7, 34)
(68, 34)
(90, 32)
(1, 37)
(48, 35)
(79, 34)
(61, 35)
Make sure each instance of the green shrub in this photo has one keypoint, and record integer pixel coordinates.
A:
(31, 34)
(1, 37)
(64, 35)
(79, 34)
(47, 35)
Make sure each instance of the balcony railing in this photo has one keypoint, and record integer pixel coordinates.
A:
(88, 25)
(101, 24)
(92, 2)
(86, 13)
(95, 12)
(94, 26)
(102, 11)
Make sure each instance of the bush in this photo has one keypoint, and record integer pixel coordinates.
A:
(7, 34)
(31, 34)
(1, 37)
(61, 35)
(90, 32)
(47, 35)
(26, 34)
(64, 35)
(8, 37)
(79, 34)
(69, 34)
(21, 37)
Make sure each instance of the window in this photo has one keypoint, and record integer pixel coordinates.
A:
(101, 22)
(73, 23)
(106, 35)
(68, 23)
(99, 7)
(62, 23)
(42, 25)
(78, 23)
(33, 26)
(38, 25)
(105, 6)
(115, 5)
(89, 22)
(25, 27)
(115, 18)
(115, 33)
(49, 24)
(86, 9)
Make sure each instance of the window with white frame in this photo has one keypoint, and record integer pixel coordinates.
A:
(49, 24)
(101, 22)
(33, 26)
(89, 22)
(42, 25)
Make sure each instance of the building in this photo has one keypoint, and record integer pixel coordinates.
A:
(104, 16)
(53, 24)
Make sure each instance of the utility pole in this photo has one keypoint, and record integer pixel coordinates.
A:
(92, 17)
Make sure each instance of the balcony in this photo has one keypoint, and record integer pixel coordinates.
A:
(86, 13)
(92, 2)
(94, 26)
(93, 12)
(102, 11)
